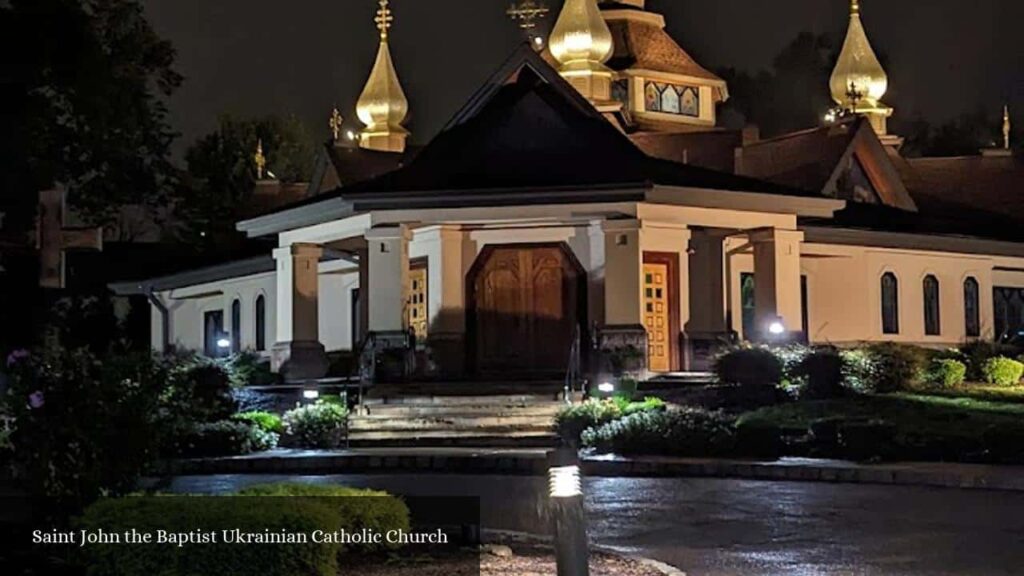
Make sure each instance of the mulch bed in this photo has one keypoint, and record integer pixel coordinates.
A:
(526, 560)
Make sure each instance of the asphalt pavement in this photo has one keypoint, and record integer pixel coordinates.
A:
(718, 527)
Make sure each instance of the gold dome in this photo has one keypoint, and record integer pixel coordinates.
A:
(858, 81)
(382, 106)
(581, 40)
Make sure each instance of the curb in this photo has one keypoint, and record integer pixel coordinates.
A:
(503, 536)
(937, 475)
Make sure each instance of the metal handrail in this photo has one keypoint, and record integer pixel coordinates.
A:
(572, 373)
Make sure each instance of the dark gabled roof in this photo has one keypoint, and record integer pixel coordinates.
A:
(712, 149)
(340, 166)
(966, 222)
(949, 187)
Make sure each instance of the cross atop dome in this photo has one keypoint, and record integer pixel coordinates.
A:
(384, 19)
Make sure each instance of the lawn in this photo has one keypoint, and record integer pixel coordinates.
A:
(895, 427)
(1013, 394)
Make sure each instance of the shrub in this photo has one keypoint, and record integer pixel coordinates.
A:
(571, 421)
(267, 421)
(896, 367)
(83, 425)
(248, 369)
(681, 432)
(946, 372)
(371, 509)
(859, 369)
(184, 514)
(821, 374)
(975, 354)
(749, 366)
(1002, 371)
(225, 438)
(319, 425)
(199, 389)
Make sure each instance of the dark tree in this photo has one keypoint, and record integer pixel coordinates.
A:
(961, 136)
(794, 94)
(83, 88)
(222, 173)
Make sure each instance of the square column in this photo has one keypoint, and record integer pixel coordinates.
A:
(777, 281)
(624, 339)
(445, 250)
(389, 353)
(298, 353)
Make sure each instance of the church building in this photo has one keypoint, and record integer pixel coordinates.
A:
(584, 207)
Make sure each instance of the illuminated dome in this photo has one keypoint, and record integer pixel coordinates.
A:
(581, 40)
(858, 80)
(382, 106)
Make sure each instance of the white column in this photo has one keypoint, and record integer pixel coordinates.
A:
(777, 279)
(623, 276)
(388, 278)
(707, 283)
(297, 292)
(298, 353)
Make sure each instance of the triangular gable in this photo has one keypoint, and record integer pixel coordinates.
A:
(866, 157)
(523, 58)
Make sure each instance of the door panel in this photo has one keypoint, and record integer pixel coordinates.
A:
(657, 317)
(525, 307)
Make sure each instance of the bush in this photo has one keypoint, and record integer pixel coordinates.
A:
(83, 425)
(248, 369)
(359, 509)
(680, 432)
(858, 369)
(1002, 371)
(821, 374)
(896, 367)
(975, 354)
(319, 425)
(946, 372)
(571, 421)
(225, 438)
(199, 389)
(267, 421)
(749, 366)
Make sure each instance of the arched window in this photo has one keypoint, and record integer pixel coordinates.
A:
(932, 322)
(972, 308)
(236, 326)
(890, 304)
(261, 323)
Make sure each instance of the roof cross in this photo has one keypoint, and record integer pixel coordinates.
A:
(384, 19)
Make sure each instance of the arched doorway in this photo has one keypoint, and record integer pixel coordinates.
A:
(524, 304)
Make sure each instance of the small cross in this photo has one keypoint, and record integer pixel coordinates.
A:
(335, 124)
(384, 19)
(854, 96)
(526, 12)
(54, 240)
(260, 160)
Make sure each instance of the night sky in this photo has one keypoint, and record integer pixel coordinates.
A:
(251, 57)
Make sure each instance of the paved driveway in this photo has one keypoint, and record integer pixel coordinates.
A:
(726, 527)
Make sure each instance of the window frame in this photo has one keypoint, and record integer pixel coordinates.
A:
(890, 326)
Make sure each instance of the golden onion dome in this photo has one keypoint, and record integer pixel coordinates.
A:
(858, 79)
(580, 39)
(382, 106)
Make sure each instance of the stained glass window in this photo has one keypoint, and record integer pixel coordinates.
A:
(972, 308)
(890, 304)
(672, 99)
(932, 321)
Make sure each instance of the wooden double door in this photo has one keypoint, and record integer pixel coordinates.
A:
(525, 302)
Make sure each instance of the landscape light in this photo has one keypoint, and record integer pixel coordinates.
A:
(777, 328)
(310, 394)
(224, 343)
(564, 481)
(606, 387)
(569, 528)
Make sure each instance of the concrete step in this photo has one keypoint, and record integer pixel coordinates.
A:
(450, 422)
(482, 438)
(549, 409)
(476, 400)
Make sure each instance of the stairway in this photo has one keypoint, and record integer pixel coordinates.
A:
(480, 415)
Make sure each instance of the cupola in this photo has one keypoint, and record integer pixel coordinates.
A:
(383, 107)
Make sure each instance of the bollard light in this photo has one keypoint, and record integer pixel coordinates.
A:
(224, 343)
(564, 482)
(606, 387)
(777, 328)
(310, 394)
(565, 487)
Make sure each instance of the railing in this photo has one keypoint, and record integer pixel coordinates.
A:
(573, 372)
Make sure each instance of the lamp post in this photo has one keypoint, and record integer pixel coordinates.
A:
(565, 486)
